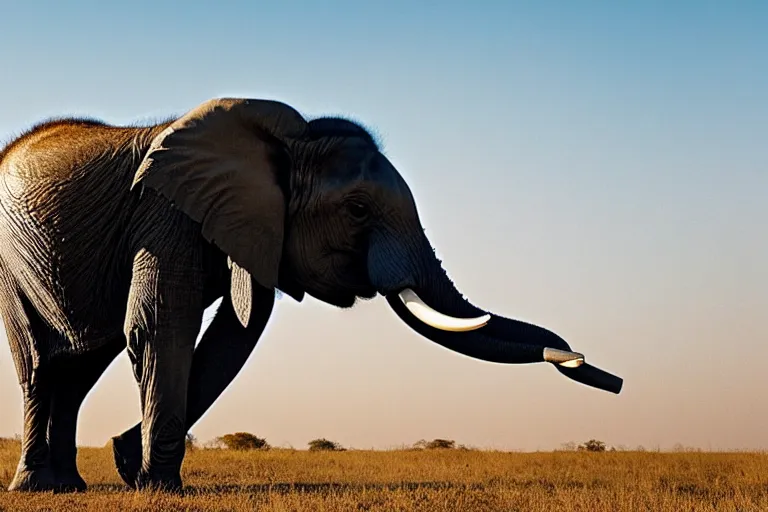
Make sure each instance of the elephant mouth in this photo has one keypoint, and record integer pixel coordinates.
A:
(342, 299)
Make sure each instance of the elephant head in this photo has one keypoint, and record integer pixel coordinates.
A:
(315, 207)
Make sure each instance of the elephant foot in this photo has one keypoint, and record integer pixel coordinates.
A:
(69, 480)
(166, 481)
(33, 480)
(126, 449)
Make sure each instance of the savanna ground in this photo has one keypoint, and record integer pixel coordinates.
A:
(404, 480)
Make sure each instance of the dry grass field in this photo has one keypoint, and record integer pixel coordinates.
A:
(450, 480)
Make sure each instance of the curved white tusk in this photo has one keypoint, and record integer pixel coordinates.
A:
(436, 319)
(563, 357)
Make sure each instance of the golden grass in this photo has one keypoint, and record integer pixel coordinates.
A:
(450, 480)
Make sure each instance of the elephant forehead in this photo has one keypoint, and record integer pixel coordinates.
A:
(385, 177)
(363, 165)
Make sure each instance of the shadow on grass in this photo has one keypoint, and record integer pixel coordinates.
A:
(299, 487)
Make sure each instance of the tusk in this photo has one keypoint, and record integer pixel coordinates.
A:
(563, 357)
(436, 319)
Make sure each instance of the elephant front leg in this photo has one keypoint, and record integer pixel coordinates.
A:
(164, 314)
(219, 357)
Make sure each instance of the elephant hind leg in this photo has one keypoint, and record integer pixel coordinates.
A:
(34, 472)
(28, 337)
(72, 378)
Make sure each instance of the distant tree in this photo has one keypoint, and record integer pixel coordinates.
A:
(570, 446)
(441, 444)
(593, 445)
(244, 441)
(324, 445)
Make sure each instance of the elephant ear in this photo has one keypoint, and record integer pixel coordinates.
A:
(222, 164)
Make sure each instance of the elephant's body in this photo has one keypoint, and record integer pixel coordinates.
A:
(69, 260)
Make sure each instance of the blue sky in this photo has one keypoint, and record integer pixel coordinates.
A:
(599, 168)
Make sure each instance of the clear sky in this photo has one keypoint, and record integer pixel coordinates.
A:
(600, 168)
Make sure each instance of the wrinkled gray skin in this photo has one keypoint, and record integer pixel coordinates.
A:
(115, 237)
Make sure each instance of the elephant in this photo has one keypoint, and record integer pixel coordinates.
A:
(120, 237)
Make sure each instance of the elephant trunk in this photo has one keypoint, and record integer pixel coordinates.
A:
(423, 296)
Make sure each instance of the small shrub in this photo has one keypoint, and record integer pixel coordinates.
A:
(438, 444)
(593, 445)
(441, 444)
(322, 444)
(243, 441)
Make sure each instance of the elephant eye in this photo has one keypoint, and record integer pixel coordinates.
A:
(358, 210)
